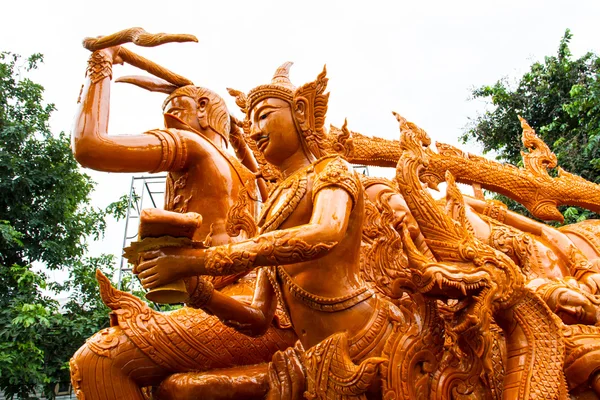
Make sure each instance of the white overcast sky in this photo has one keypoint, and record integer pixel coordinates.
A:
(419, 58)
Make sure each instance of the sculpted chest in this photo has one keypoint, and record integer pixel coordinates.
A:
(289, 203)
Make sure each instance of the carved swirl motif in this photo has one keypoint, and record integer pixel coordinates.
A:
(271, 273)
(312, 128)
(225, 260)
(582, 353)
(281, 249)
(586, 230)
(76, 379)
(102, 342)
(296, 187)
(531, 186)
(539, 157)
(202, 294)
(221, 260)
(517, 245)
(374, 332)
(239, 217)
(174, 197)
(496, 210)
(331, 374)
(535, 346)
(579, 264)
(187, 339)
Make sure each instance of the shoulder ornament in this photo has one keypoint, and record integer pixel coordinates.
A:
(338, 173)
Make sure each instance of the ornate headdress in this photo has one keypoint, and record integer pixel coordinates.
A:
(312, 128)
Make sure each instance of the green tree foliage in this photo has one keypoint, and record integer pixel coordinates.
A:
(45, 220)
(560, 98)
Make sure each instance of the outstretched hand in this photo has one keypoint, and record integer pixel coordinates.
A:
(169, 264)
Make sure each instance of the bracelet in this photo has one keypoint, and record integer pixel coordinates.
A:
(99, 67)
(202, 294)
(495, 209)
(220, 260)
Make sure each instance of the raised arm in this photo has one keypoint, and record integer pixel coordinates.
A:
(92, 145)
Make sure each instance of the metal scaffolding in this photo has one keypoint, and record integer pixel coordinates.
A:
(145, 192)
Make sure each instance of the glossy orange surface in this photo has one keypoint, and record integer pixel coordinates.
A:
(341, 286)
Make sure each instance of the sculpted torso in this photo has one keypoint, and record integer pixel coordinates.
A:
(208, 184)
(340, 265)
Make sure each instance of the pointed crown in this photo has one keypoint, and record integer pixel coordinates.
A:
(282, 88)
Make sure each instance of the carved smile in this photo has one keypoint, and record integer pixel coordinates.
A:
(262, 142)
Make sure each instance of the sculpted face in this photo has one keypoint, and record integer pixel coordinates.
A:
(572, 307)
(183, 112)
(274, 130)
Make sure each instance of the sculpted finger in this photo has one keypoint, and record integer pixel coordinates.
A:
(145, 266)
(282, 374)
(274, 384)
(149, 279)
(296, 374)
(148, 271)
(151, 283)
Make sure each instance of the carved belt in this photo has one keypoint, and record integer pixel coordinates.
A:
(320, 303)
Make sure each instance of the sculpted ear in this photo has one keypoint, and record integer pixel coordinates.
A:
(300, 107)
(202, 105)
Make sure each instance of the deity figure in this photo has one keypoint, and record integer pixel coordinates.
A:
(310, 232)
(295, 247)
(143, 346)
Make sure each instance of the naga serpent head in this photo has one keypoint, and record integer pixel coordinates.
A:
(479, 279)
